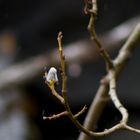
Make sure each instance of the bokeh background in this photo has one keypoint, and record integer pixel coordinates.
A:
(28, 32)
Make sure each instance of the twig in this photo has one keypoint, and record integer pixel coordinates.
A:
(65, 113)
(94, 37)
(88, 4)
(113, 96)
(54, 92)
(55, 116)
(80, 112)
(132, 129)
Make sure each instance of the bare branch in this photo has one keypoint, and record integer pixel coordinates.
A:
(55, 93)
(65, 113)
(55, 116)
(95, 38)
(80, 112)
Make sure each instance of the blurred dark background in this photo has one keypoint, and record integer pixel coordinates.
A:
(29, 28)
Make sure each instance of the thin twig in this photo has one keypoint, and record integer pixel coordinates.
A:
(54, 92)
(94, 36)
(88, 4)
(55, 116)
(132, 129)
(64, 113)
(114, 98)
(80, 112)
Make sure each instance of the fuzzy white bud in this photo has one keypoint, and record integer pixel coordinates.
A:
(52, 75)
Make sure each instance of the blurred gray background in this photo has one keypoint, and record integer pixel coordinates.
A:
(28, 29)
